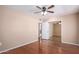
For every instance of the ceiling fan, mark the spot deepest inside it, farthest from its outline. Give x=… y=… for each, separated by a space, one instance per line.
x=44 y=10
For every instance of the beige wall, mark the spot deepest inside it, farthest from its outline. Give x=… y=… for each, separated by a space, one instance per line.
x=69 y=28
x=1 y=9
x=78 y=27
x=56 y=29
x=17 y=28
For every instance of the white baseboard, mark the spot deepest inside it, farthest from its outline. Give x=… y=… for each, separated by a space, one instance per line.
x=17 y=46
x=71 y=43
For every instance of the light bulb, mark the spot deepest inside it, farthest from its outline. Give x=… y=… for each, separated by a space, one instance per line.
x=59 y=23
x=44 y=13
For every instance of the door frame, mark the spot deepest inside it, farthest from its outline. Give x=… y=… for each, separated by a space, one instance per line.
x=61 y=27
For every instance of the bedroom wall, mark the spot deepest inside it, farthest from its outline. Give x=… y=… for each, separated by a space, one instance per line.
x=78 y=27
x=1 y=9
x=69 y=28
x=17 y=28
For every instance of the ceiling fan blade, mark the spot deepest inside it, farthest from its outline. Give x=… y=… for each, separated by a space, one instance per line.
x=38 y=7
x=50 y=11
x=51 y=6
x=37 y=12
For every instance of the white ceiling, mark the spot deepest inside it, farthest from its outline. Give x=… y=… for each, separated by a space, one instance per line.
x=58 y=9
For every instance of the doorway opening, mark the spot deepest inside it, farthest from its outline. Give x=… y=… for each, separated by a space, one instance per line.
x=55 y=31
x=50 y=31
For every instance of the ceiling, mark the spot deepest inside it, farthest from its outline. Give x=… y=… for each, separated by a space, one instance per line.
x=59 y=10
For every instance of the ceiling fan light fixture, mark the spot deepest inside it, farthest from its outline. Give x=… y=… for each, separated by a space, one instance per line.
x=59 y=23
x=44 y=13
x=44 y=10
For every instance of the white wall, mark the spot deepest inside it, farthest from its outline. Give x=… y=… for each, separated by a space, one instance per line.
x=45 y=30
x=17 y=28
x=50 y=30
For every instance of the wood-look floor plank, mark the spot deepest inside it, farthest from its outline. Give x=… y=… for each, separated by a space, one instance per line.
x=46 y=47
